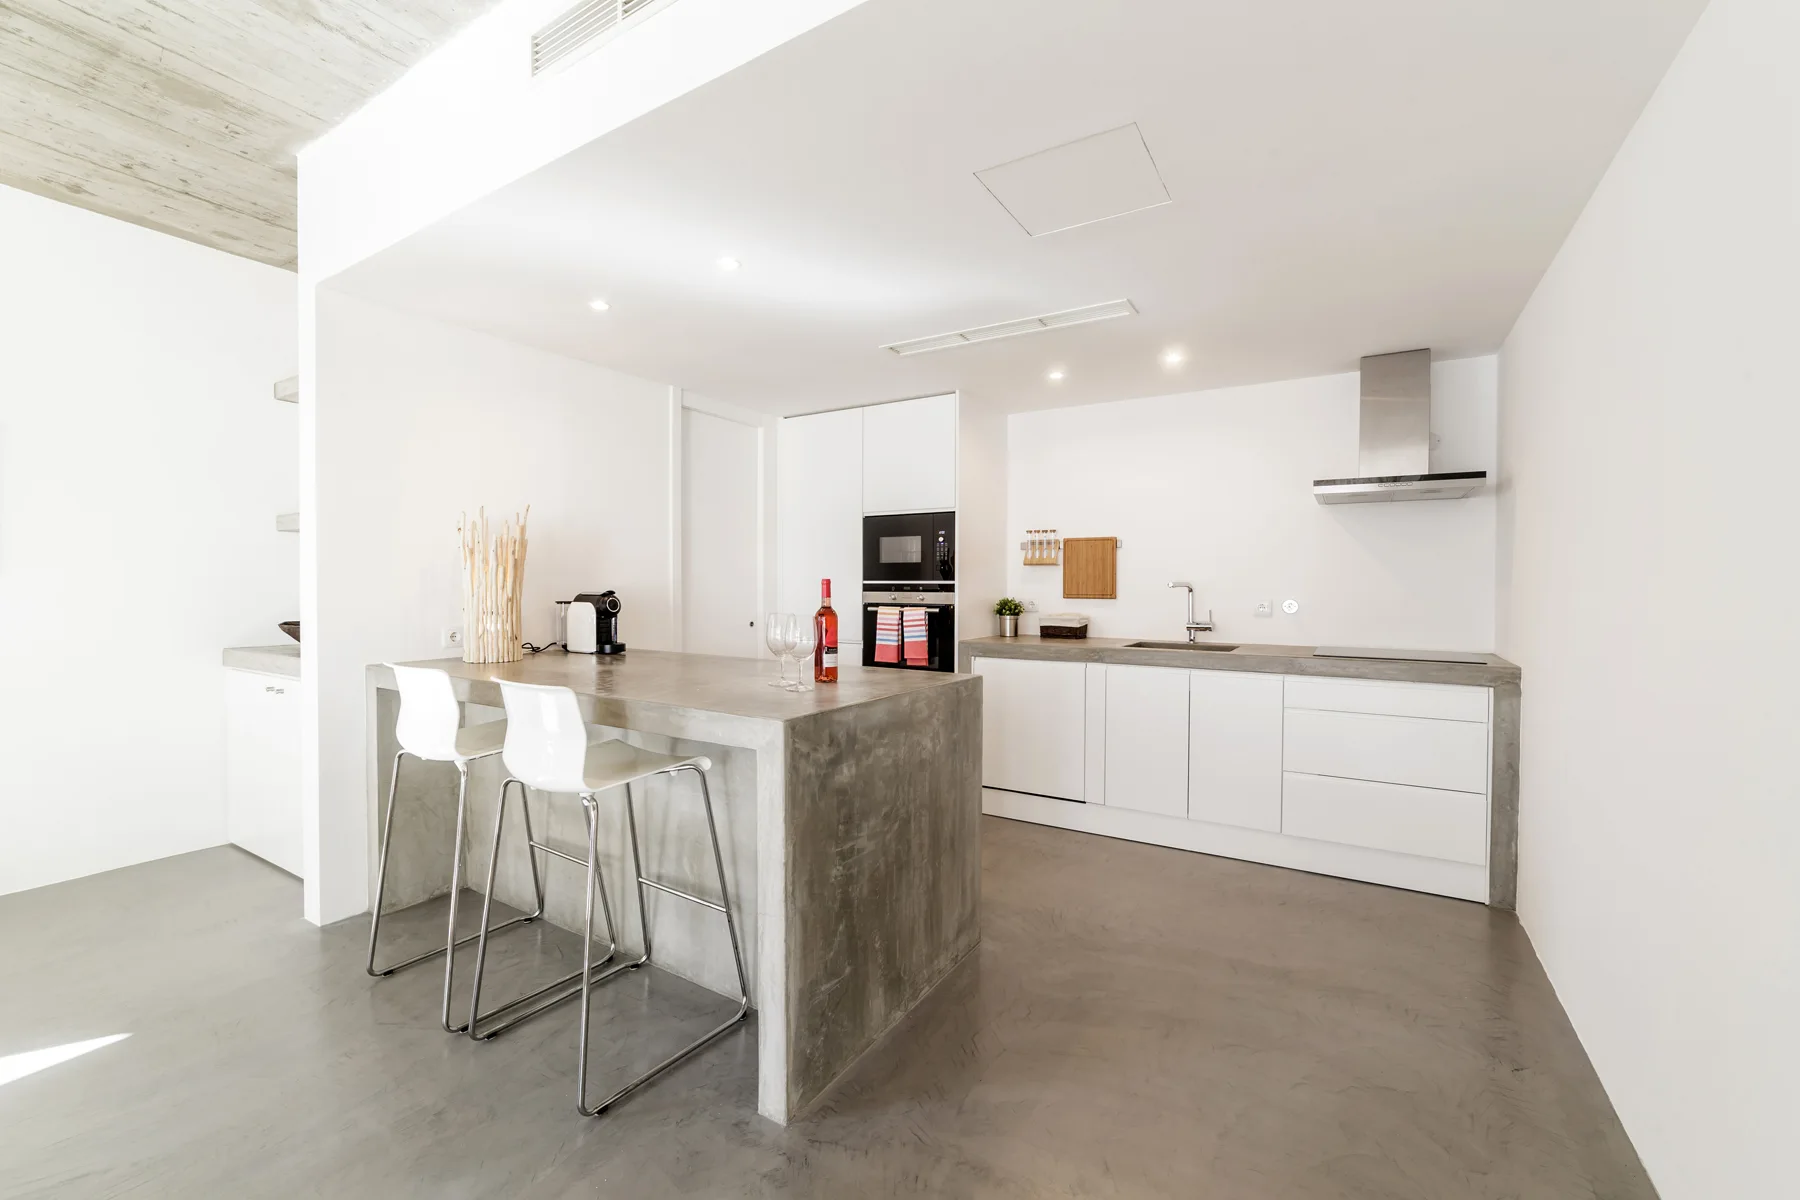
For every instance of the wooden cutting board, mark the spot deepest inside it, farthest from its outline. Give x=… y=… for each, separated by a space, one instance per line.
x=1091 y=568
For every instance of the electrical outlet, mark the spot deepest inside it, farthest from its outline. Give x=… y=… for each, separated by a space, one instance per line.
x=1290 y=607
x=1265 y=608
x=452 y=639
x=1031 y=606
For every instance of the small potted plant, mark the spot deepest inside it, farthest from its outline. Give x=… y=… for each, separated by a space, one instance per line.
x=1008 y=610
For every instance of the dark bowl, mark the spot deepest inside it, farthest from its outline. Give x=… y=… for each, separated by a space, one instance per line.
x=292 y=629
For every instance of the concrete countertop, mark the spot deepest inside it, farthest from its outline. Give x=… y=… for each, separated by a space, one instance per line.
x=266 y=660
x=1282 y=660
x=662 y=691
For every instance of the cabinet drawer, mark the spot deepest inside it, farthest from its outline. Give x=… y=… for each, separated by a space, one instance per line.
x=1385 y=816
x=1410 y=750
x=1446 y=702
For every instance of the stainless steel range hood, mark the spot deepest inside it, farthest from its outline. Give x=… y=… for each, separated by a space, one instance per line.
x=1395 y=439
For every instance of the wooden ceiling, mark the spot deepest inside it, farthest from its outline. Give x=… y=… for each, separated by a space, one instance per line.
x=184 y=115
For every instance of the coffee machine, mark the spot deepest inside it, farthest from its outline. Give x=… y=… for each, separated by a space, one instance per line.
x=593 y=624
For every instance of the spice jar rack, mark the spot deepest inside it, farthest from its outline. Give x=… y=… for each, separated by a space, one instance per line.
x=1042 y=548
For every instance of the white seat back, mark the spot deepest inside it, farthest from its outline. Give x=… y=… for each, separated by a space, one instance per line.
x=546 y=739
x=429 y=716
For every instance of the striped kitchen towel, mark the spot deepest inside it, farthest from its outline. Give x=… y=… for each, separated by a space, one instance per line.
x=887 y=635
x=917 y=644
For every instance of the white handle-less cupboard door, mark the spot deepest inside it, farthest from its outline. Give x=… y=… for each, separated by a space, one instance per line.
x=262 y=766
x=1234 y=749
x=1033 y=718
x=819 y=473
x=909 y=456
x=1147 y=739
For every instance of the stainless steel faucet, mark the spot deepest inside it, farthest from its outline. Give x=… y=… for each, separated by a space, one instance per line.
x=1194 y=626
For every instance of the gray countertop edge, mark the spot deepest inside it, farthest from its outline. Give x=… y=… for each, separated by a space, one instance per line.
x=265 y=660
x=728 y=724
x=1280 y=660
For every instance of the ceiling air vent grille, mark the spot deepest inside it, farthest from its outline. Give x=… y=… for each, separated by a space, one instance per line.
x=581 y=28
x=1006 y=329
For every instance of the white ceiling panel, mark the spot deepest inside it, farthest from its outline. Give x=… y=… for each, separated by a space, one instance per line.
x=1094 y=178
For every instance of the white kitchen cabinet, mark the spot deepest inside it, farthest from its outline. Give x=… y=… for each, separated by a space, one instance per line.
x=1383 y=816
x=1415 y=751
x=909 y=456
x=1234 y=748
x=1033 y=718
x=819 y=499
x=1380 y=697
x=1147 y=738
x=262 y=766
x=1374 y=780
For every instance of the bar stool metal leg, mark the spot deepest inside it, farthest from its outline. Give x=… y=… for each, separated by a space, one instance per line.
x=387 y=838
x=737 y=954
x=559 y=990
x=458 y=853
x=637 y=872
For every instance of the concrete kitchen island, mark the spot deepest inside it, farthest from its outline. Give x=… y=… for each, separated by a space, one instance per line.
x=849 y=816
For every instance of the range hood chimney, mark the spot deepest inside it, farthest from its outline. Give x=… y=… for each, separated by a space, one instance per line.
x=1394 y=439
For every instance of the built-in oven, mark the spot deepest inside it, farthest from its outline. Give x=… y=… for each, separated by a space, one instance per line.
x=936 y=600
x=909 y=548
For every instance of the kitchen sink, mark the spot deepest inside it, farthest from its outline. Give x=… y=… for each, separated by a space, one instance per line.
x=1220 y=646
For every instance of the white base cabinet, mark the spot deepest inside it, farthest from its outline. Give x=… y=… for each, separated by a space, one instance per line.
x=1374 y=780
x=262 y=766
x=1033 y=721
x=1383 y=816
x=1234 y=749
x=1146 y=739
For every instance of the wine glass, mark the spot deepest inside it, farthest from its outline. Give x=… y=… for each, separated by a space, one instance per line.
x=805 y=638
x=775 y=634
x=790 y=637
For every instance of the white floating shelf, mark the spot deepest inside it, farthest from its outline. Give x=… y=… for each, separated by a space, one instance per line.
x=288 y=390
x=287 y=522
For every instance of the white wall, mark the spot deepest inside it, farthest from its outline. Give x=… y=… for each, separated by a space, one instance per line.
x=142 y=462
x=471 y=118
x=415 y=423
x=1215 y=488
x=981 y=556
x=1650 y=418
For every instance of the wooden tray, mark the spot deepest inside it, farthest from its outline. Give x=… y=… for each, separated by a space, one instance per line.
x=1091 y=568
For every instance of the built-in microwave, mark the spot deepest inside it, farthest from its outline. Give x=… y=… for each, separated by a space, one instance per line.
x=909 y=548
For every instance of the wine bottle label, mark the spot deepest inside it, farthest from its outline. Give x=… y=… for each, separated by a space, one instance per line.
x=830 y=656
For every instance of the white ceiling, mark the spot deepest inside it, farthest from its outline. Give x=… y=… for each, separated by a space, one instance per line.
x=1346 y=179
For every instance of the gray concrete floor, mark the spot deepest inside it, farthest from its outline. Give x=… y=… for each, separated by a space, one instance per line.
x=1137 y=1022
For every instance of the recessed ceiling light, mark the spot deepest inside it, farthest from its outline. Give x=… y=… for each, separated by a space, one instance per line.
x=598 y=305
x=1173 y=357
x=1055 y=375
x=729 y=264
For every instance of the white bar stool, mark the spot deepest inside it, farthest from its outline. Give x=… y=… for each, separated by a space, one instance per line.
x=430 y=728
x=549 y=747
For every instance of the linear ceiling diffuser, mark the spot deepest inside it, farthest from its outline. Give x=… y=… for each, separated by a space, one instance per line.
x=1005 y=329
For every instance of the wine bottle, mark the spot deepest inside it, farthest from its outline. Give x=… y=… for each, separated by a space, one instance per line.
x=825 y=652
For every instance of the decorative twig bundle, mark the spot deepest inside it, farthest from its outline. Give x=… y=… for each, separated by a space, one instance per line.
x=493 y=589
